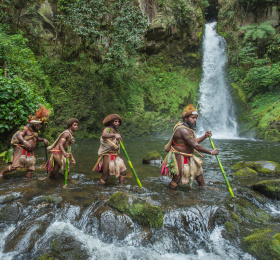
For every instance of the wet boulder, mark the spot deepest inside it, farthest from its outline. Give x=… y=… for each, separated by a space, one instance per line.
x=138 y=209
x=251 y=214
x=263 y=244
x=113 y=224
x=52 y=199
x=270 y=188
x=10 y=214
x=24 y=237
x=249 y=168
x=65 y=247
x=153 y=158
x=9 y=198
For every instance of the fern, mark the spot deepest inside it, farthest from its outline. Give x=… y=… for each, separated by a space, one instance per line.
x=257 y=32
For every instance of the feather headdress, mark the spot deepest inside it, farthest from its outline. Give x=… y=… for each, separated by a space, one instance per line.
x=189 y=110
x=41 y=116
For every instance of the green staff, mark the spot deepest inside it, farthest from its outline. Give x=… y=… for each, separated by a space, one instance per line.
x=222 y=169
x=66 y=168
x=130 y=164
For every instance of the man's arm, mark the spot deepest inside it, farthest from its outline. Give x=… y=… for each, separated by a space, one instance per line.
x=61 y=143
x=39 y=139
x=190 y=141
x=202 y=138
x=108 y=133
x=20 y=137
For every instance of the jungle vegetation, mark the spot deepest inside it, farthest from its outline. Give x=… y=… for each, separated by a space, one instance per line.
x=140 y=59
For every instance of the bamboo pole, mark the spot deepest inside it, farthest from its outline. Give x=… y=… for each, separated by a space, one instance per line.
x=66 y=168
x=131 y=166
x=222 y=169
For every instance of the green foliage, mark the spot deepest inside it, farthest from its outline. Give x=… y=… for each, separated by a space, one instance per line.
x=21 y=60
x=180 y=13
x=262 y=79
x=22 y=82
x=108 y=30
x=8 y=155
x=273 y=50
x=257 y=32
x=17 y=101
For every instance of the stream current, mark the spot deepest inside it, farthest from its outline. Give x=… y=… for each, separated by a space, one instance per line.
x=38 y=217
x=80 y=220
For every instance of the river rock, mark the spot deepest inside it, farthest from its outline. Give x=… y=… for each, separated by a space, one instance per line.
x=270 y=188
x=267 y=168
x=53 y=199
x=10 y=214
x=65 y=247
x=251 y=214
x=153 y=158
x=138 y=209
x=263 y=244
x=9 y=198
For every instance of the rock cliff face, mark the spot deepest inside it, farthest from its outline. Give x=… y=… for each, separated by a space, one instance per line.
x=175 y=31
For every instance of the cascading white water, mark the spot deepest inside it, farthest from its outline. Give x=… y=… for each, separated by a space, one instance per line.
x=215 y=104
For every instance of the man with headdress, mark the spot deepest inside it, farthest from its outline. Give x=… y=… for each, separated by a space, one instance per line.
x=109 y=162
x=58 y=149
x=180 y=163
x=25 y=141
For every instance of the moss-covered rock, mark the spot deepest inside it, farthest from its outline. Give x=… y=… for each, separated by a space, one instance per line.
x=270 y=188
x=263 y=244
x=245 y=172
x=152 y=156
x=259 y=167
x=53 y=199
x=251 y=214
x=65 y=247
x=139 y=210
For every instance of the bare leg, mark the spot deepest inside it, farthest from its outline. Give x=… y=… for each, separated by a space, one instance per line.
x=105 y=169
x=57 y=165
x=176 y=178
x=200 y=180
x=8 y=169
x=122 y=177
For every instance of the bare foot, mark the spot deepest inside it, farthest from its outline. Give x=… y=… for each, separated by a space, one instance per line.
x=101 y=182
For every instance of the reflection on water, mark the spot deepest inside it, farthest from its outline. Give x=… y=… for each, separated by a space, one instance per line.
x=81 y=217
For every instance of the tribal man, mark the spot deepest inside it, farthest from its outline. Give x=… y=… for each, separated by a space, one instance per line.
x=25 y=141
x=180 y=163
x=58 y=149
x=109 y=161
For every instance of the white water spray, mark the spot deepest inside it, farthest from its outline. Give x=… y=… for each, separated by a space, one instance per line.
x=215 y=103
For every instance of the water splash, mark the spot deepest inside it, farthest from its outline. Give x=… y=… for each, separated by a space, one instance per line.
x=215 y=103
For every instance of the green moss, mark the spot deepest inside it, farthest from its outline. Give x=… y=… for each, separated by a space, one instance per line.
x=263 y=245
x=46 y=257
x=245 y=172
x=153 y=155
x=277 y=237
x=270 y=188
x=240 y=92
x=139 y=211
x=236 y=218
x=232 y=228
x=251 y=214
x=258 y=167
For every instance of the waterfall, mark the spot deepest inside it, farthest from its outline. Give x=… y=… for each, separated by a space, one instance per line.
x=215 y=104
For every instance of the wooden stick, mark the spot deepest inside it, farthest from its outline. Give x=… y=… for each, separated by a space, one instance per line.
x=198 y=153
x=99 y=159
